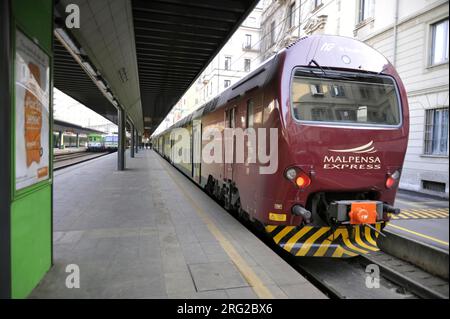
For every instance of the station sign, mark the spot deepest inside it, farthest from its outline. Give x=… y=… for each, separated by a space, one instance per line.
x=32 y=108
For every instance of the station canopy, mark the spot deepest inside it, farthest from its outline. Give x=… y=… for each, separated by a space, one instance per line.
x=140 y=55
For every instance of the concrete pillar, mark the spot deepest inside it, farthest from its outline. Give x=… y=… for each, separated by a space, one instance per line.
x=137 y=141
x=122 y=140
x=78 y=140
x=132 y=141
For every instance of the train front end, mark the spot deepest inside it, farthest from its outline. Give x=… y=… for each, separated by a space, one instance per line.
x=346 y=123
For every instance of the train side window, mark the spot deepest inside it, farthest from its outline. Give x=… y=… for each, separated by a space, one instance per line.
x=250 y=114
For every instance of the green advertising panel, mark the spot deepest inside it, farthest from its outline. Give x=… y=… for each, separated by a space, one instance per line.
x=31 y=118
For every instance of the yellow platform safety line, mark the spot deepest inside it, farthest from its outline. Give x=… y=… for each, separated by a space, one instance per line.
x=247 y=272
x=419 y=214
x=306 y=246
x=412 y=213
x=438 y=212
x=293 y=240
x=408 y=214
x=419 y=234
x=282 y=233
x=360 y=242
x=431 y=213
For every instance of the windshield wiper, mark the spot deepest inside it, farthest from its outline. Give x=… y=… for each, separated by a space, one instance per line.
x=317 y=64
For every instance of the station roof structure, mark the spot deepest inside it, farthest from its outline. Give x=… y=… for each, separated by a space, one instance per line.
x=140 y=55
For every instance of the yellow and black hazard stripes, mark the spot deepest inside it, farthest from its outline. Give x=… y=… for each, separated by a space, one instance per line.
x=325 y=241
x=426 y=213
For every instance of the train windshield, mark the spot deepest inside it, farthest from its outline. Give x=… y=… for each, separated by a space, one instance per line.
x=345 y=98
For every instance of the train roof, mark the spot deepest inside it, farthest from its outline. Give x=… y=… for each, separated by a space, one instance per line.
x=326 y=50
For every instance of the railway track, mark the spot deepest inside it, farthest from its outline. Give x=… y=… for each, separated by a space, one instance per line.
x=64 y=160
x=412 y=278
x=350 y=278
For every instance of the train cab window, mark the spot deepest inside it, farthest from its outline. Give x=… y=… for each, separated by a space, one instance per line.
x=345 y=98
x=250 y=114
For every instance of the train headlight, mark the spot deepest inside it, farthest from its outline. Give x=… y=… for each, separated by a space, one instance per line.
x=291 y=174
x=303 y=180
x=392 y=179
x=298 y=177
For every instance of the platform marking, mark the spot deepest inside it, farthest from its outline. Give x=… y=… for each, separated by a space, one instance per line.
x=419 y=234
x=247 y=272
x=429 y=213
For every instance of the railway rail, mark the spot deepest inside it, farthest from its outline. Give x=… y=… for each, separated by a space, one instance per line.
x=68 y=159
x=351 y=278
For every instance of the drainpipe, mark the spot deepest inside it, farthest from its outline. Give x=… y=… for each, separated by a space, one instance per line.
x=394 y=59
x=299 y=17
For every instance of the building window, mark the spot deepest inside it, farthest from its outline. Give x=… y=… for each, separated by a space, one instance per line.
x=365 y=10
x=248 y=41
x=227 y=63
x=317 y=3
x=439 y=42
x=292 y=15
x=316 y=90
x=272 y=33
x=247 y=65
x=337 y=91
x=436 y=132
x=249 y=119
x=226 y=83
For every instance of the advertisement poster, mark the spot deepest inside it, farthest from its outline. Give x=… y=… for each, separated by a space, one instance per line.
x=32 y=81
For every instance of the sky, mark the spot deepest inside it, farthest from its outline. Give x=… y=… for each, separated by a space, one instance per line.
x=70 y=110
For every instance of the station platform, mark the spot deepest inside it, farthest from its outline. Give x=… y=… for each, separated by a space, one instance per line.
x=148 y=232
x=423 y=218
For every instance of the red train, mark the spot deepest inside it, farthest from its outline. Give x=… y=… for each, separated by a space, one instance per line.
x=341 y=116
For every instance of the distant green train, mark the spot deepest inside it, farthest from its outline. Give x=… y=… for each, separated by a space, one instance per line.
x=99 y=142
x=95 y=142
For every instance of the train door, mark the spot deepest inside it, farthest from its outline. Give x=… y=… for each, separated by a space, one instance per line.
x=196 y=150
x=230 y=116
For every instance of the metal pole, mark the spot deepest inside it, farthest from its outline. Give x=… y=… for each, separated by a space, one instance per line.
x=132 y=141
x=122 y=137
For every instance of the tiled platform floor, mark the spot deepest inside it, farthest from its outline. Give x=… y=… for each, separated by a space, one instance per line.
x=148 y=232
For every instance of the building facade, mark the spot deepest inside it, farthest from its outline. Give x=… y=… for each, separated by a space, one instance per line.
x=240 y=55
x=413 y=35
